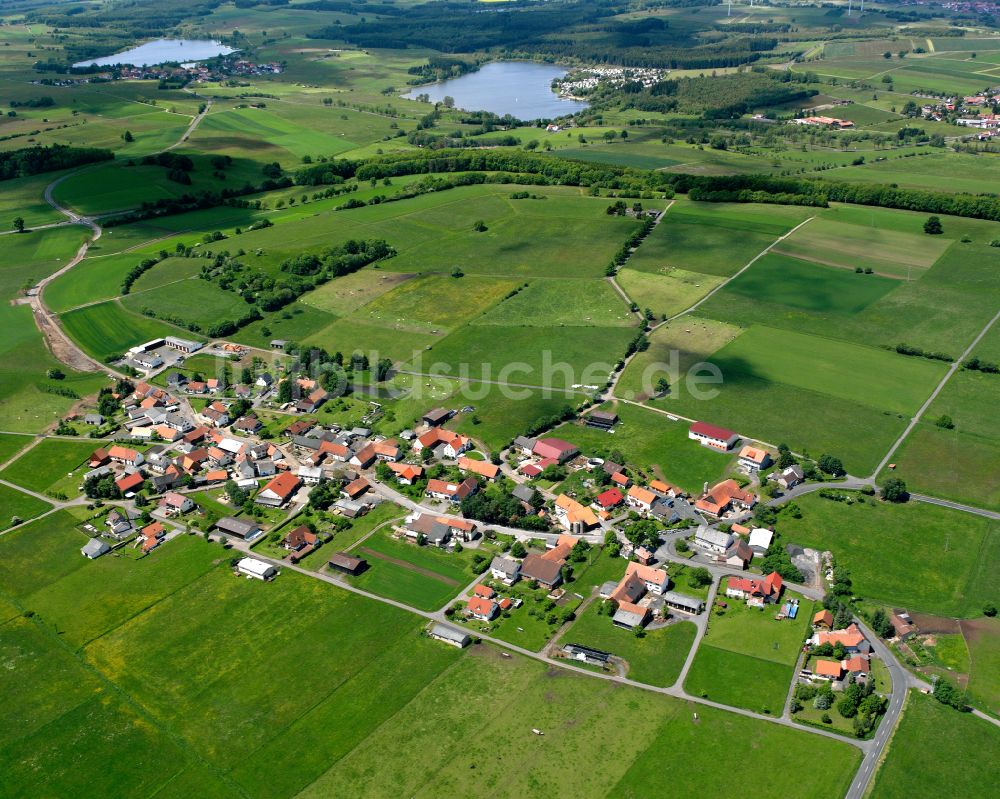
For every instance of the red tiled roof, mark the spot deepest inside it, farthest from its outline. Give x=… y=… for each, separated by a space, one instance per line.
x=129 y=481
x=712 y=431
x=610 y=498
x=283 y=485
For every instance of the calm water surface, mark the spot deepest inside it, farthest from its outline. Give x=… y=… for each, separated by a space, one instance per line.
x=163 y=50
x=521 y=89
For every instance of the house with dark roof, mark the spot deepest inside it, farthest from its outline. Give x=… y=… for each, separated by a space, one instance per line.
x=347 y=564
x=603 y=420
x=240 y=528
x=436 y=417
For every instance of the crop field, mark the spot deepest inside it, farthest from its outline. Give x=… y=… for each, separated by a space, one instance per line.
x=562 y=302
x=107 y=328
x=666 y=292
x=46 y=466
x=942 y=311
x=780 y=279
x=432 y=304
x=889 y=252
x=944 y=561
x=747 y=657
x=651 y=442
x=932 y=750
x=657 y=658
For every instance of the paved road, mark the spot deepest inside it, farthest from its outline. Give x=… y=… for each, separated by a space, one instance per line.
x=946 y=503
x=439 y=616
x=937 y=390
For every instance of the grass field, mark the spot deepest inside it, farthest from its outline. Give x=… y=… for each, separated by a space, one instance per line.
x=713 y=238
x=739 y=680
x=10 y=445
x=746 y=658
x=424 y=577
x=889 y=252
x=47 y=466
x=667 y=292
x=982 y=640
x=192 y=300
x=796 y=283
x=943 y=561
x=651 y=442
x=108 y=329
x=656 y=659
x=563 y=302
x=932 y=749
x=350 y=292
x=16 y=504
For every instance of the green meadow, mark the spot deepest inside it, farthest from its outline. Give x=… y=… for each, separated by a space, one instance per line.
x=47 y=466
x=108 y=329
x=943 y=561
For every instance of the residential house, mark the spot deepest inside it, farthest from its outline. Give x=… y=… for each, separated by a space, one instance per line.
x=247 y=424
x=174 y=504
x=388 y=450
x=439 y=530
x=480 y=608
x=756 y=592
x=709 y=435
x=823 y=620
x=451 y=444
x=738 y=555
x=791 y=477
x=196 y=387
x=640 y=498
x=902 y=624
x=621 y=480
x=724 y=497
x=216 y=414
x=525 y=444
x=452 y=492
x=125 y=456
x=264 y=380
x=484 y=469
x=119 y=523
x=683 y=603
x=830 y=670
x=299 y=428
x=94 y=419
x=609 y=499
x=310 y=475
x=555 y=449
x=851 y=638
x=311 y=402
x=279 y=490
x=507 y=570
x=364 y=457
x=407 y=473
x=151 y=536
x=544 y=572
x=713 y=540
x=753 y=459
x=299 y=539
x=98 y=457
x=265 y=467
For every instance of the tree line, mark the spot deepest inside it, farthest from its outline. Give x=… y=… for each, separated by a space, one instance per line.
x=48 y=158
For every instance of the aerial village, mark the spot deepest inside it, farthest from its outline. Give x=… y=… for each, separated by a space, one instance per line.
x=510 y=535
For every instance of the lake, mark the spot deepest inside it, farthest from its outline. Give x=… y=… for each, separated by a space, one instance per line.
x=161 y=51
x=520 y=88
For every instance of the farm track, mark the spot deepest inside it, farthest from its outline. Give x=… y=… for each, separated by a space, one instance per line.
x=59 y=343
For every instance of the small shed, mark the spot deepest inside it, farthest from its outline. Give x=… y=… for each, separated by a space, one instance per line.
x=347 y=564
x=442 y=632
x=256 y=569
x=94 y=548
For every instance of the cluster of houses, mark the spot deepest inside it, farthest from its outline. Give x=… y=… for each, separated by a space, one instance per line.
x=218 y=71
x=583 y=81
x=642 y=594
x=850 y=643
x=824 y=122
x=736 y=548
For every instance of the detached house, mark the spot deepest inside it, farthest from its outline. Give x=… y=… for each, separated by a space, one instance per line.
x=641 y=499
x=453 y=492
x=573 y=516
x=174 y=504
x=753 y=459
x=724 y=497
x=279 y=490
x=484 y=469
x=406 y=473
x=756 y=592
x=216 y=414
x=125 y=456
x=452 y=444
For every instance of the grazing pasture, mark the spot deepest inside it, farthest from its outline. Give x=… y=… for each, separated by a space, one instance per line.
x=191 y=301
x=668 y=291
x=345 y=294
x=502 y=414
x=16 y=504
x=739 y=680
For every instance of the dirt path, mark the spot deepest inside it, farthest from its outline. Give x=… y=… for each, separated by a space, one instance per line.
x=410 y=567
